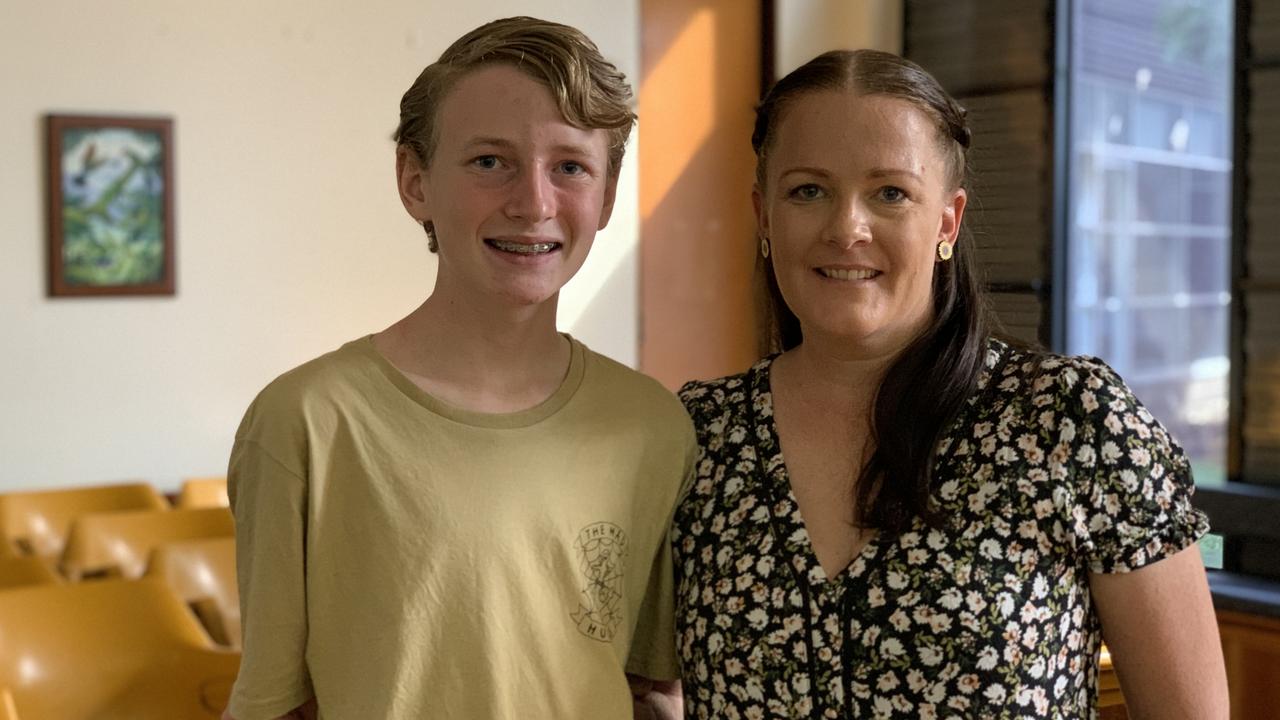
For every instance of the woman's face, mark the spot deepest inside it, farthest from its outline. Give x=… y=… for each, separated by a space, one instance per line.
x=856 y=198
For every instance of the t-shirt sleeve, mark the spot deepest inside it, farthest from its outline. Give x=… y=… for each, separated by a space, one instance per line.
x=653 y=652
x=653 y=647
x=1133 y=497
x=268 y=499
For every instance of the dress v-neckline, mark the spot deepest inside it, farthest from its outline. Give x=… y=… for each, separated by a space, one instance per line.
x=785 y=508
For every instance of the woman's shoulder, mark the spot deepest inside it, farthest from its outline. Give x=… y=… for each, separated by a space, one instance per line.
x=1080 y=391
x=1041 y=375
x=701 y=397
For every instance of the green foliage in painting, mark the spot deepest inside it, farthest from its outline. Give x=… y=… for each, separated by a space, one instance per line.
x=112 y=207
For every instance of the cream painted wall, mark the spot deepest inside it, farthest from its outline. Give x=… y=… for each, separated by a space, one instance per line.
x=290 y=235
x=805 y=28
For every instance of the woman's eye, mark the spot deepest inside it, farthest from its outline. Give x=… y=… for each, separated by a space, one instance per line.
x=486 y=162
x=806 y=192
x=892 y=194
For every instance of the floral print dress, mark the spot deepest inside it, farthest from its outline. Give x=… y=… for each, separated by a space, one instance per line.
x=1052 y=471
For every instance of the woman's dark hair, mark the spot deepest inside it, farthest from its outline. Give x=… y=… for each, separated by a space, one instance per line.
x=925 y=388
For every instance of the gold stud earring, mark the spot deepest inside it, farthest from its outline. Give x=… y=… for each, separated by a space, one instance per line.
x=764 y=246
x=945 y=251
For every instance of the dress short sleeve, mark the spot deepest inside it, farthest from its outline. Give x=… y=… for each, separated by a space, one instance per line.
x=1134 y=483
x=693 y=394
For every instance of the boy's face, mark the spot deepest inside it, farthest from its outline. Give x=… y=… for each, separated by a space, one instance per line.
x=515 y=193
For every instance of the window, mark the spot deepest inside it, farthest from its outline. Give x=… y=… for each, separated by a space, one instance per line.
x=1149 y=215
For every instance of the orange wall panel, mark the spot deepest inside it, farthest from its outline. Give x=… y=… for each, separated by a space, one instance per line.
x=700 y=70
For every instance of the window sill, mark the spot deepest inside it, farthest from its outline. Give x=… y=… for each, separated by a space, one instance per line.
x=1244 y=594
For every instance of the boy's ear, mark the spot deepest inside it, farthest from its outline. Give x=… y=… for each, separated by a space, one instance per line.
x=610 y=195
x=411 y=180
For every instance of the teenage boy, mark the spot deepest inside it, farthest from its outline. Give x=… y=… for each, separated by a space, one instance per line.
x=465 y=515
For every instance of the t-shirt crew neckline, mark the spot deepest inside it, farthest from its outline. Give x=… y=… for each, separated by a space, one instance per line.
x=522 y=418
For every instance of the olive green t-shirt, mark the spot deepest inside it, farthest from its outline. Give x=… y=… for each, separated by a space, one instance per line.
x=402 y=558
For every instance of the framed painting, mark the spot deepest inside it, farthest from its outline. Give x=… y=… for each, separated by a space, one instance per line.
x=110 y=205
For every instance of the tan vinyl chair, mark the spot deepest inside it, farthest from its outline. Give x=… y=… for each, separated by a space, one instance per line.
x=23 y=571
x=109 y=544
x=110 y=650
x=203 y=492
x=203 y=573
x=1110 y=700
x=7 y=710
x=37 y=522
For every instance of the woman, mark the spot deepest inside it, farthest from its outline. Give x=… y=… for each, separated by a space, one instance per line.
x=901 y=515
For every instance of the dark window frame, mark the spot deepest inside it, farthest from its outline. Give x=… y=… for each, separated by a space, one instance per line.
x=1242 y=511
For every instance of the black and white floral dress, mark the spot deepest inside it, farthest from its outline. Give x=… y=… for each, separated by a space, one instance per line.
x=1053 y=471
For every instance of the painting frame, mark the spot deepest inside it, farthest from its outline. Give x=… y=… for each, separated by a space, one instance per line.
x=120 y=241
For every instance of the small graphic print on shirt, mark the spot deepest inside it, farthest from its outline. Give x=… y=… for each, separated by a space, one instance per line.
x=602 y=554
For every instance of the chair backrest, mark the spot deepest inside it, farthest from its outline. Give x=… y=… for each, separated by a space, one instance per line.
x=110 y=649
x=1109 y=694
x=203 y=573
x=22 y=571
x=36 y=522
x=121 y=542
x=7 y=709
x=203 y=492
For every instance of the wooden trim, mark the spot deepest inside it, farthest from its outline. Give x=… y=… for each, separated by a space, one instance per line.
x=768 y=44
x=1242 y=622
x=1251 y=649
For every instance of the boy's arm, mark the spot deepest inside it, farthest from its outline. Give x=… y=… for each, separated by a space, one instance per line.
x=306 y=711
x=269 y=500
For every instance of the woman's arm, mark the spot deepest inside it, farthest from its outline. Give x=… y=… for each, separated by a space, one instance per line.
x=1159 y=624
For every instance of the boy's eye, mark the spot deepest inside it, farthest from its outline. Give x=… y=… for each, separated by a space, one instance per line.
x=806 y=192
x=486 y=162
x=572 y=168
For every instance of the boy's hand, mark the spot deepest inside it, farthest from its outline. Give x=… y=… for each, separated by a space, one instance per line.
x=656 y=699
